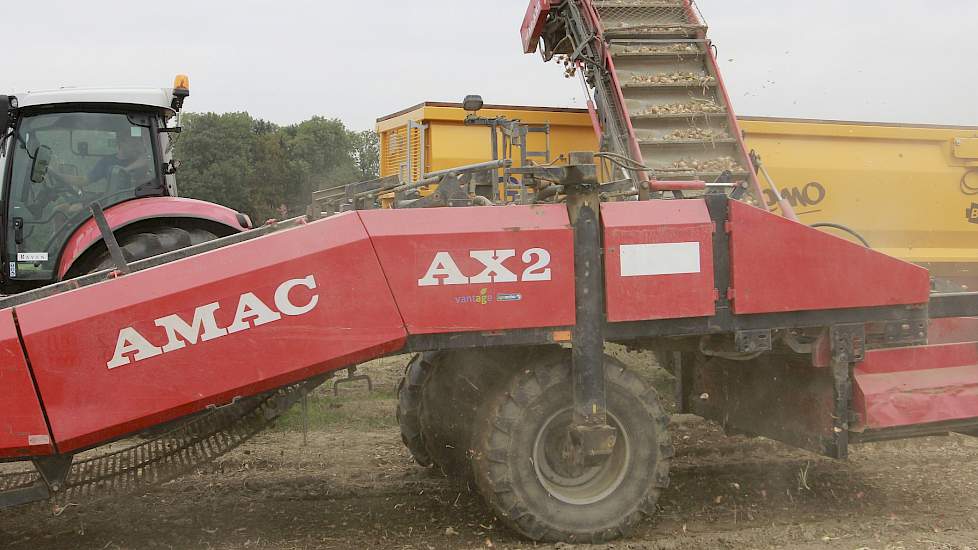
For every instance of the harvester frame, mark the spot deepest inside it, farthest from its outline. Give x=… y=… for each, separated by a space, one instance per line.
x=770 y=327
x=833 y=340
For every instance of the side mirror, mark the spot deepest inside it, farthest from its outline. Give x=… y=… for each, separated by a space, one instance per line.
x=42 y=161
x=4 y=113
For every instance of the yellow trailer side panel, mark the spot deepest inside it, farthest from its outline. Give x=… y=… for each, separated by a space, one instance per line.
x=905 y=188
x=899 y=186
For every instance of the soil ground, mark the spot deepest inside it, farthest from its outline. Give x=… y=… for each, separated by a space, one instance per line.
x=352 y=484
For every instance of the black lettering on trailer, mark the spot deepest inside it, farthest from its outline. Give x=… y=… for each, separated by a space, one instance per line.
x=811 y=194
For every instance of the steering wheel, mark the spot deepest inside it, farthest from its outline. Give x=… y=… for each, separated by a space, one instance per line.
x=55 y=182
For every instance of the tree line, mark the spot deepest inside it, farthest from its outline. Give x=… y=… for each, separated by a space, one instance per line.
x=261 y=168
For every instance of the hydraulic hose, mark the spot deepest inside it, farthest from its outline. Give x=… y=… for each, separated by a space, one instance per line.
x=841 y=227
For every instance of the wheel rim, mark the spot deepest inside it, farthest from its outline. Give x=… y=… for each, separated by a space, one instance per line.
x=571 y=483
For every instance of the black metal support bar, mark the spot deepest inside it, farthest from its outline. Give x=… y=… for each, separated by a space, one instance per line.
x=467 y=340
x=848 y=348
x=592 y=435
x=109 y=237
x=968 y=426
x=957 y=304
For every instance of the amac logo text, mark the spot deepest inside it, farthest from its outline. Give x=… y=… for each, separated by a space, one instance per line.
x=132 y=346
x=497 y=267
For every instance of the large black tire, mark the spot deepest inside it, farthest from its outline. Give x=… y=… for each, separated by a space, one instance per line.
x=459 y=383
x=408 y=410
x=440 y=395
x=526 y=479
x=152 y=241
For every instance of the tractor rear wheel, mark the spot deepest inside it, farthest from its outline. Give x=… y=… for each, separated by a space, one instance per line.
x=522 y=465
x=152 y=241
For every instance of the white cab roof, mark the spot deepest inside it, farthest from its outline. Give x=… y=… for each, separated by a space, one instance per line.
x=155 y=97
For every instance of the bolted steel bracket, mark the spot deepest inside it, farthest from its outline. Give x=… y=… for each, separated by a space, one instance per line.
x=592 y=444
x=54 y=470
x=848 y=347
x=751 y=341
x=848 y=343
x=351 y=377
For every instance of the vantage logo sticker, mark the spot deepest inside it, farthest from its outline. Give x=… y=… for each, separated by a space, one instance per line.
x=482 y=298
x=485 y=298
x=973 y=213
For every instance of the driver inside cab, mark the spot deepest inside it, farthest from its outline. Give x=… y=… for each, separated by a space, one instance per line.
x=129 y=166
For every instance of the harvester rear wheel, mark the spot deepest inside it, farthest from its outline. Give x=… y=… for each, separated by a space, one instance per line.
x=522 y=467
x=440 y=395
x=408 y=410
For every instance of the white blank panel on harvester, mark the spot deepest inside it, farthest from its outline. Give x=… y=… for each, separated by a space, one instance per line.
x=639 y=260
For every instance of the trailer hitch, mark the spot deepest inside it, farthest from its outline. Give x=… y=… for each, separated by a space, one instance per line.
x=591 y=436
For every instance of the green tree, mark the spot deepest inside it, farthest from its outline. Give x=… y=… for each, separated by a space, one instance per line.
x=256 y=166
x=366 y=154
x=216 y=158
x=276 y=179
x=321 y=148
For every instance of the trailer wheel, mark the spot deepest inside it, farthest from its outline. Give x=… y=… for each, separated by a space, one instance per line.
x=408 y=411
x=522 y=469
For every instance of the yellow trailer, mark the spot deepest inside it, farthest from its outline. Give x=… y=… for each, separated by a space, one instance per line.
x=909 y=190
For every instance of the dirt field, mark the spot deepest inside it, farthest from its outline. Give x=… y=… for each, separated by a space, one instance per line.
x=355 y=486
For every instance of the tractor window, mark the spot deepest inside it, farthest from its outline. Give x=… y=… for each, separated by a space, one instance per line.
x=62 y=162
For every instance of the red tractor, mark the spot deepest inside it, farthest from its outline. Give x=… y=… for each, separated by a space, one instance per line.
x=63 y=151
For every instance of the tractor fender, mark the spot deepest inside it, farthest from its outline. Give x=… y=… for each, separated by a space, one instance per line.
x=127 y=213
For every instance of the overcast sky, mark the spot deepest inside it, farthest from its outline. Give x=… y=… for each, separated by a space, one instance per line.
x=286 y=60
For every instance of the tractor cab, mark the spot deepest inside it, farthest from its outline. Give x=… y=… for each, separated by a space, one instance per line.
x=65 y=149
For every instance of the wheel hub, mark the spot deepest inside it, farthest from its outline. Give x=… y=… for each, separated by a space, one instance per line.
x=564 y=475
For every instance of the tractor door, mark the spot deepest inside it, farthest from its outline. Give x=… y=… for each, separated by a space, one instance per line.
x=63 y=162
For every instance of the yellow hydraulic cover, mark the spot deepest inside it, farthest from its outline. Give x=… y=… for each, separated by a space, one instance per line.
x=910 y=190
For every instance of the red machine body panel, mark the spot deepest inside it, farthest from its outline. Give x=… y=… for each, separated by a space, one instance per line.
x=658 y=260
x=136 y=210
x=441 y=266
x=780 y=265
x=23 y=431
x=127 y=354
x=917 y=385
x=953 y=330
x=536 y=16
